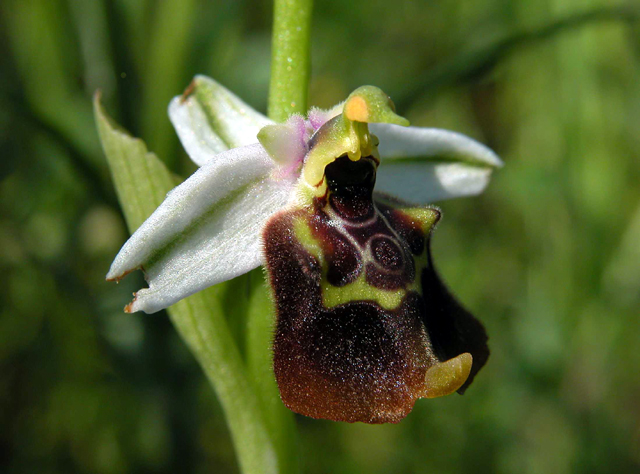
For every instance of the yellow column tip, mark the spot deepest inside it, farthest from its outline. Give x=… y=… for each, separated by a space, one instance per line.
x=357 y=110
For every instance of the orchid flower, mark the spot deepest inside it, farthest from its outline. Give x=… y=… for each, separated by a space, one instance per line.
x=364 y=324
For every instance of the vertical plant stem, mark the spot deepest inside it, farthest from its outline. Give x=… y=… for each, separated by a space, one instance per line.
x=290 y=58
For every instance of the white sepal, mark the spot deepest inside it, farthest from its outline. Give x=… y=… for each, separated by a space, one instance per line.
x=423 y=165
x=211 y=119
x=206 y=231
x=196 y=135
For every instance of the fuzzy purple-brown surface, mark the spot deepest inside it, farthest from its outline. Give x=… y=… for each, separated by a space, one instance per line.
x=358 y=361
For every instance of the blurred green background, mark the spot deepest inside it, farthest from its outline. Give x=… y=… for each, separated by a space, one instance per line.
x=548 y=258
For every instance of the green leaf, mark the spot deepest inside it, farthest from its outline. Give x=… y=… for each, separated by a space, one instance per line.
x=165 y=68
x=140 y=178
x=44 y=57
x=141 y=181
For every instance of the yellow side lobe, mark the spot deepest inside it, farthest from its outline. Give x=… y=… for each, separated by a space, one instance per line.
x=426 y=217
x=447 y=377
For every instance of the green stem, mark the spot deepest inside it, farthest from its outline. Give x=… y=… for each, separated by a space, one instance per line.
x=290 y=58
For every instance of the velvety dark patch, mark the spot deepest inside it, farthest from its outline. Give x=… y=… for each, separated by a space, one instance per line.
x=385 y=280
x=343 y=258
x=351 y=185
x=407 y=228
x=387 y=254
x=362 y=233
x=354 y=362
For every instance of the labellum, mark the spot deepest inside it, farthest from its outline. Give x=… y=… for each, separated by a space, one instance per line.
x=365 y=326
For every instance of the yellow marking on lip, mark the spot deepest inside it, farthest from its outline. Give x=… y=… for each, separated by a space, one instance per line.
x=307 y=240
x=360 y=290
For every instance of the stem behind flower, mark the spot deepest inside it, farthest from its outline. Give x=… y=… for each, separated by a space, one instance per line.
x=290 y=58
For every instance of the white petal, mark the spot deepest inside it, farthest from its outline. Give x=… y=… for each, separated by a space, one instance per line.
x=212 y=119
x=206 y=231
x=197 y=137
x=432 y=144
x=422 y=165
x=424 y=183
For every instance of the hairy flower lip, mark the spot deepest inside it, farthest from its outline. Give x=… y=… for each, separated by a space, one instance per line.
x=206 y=230
x=361 y=335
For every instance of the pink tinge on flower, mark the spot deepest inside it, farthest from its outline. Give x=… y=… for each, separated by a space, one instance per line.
x=318 y=117
x=287 y=144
